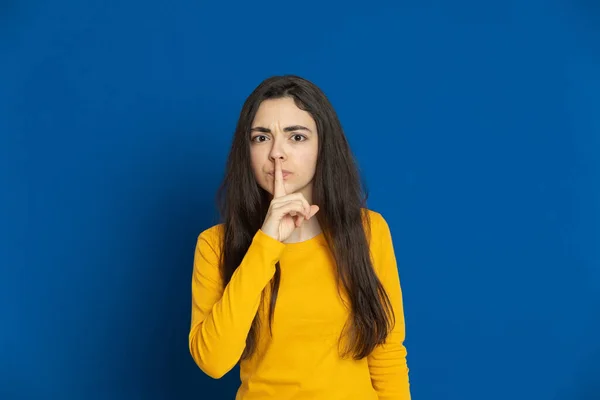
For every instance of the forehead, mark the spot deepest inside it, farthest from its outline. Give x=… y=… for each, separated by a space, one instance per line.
x=281 y=111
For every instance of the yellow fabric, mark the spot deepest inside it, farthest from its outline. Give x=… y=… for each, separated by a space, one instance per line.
x=301 y=360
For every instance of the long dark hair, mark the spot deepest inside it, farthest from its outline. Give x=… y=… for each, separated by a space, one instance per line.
x=339 y=192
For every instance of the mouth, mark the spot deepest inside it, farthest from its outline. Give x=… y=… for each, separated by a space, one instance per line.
x=284 y=173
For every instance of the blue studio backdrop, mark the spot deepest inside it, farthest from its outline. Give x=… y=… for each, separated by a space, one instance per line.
x=476 y=126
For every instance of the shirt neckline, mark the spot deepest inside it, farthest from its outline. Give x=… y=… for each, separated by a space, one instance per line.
x=306 y=244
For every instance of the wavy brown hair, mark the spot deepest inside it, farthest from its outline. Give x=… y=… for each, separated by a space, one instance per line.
x=339 y=192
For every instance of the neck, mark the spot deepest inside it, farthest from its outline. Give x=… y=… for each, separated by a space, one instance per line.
x=308 y=230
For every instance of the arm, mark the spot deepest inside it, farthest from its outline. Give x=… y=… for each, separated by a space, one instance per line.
x=387 y=362
x=221 y=318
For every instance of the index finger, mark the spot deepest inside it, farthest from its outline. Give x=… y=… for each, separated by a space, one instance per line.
x=278 y=188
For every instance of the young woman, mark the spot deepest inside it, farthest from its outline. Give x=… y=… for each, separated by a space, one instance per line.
x=299 y=283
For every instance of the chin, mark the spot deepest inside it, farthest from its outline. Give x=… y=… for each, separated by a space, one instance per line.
x=289 y=188
x=267 y=188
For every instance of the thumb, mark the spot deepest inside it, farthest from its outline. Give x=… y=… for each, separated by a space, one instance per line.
x=313 y=210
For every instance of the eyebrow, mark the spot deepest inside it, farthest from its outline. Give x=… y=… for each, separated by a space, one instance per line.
x=286 y=129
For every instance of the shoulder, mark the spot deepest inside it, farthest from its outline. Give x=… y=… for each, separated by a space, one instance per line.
x=215 y=231
x=208 y=253
x=378 y=234
x=381 y=246
x=211 y=237
x=376 y=222
x=373 y=214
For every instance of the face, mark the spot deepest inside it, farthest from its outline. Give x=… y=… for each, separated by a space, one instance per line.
x=281 y=130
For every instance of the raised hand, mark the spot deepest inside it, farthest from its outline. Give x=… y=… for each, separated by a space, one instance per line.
x=286 y=211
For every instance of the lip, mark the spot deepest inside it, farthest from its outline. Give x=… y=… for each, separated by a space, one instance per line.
x=284 y=173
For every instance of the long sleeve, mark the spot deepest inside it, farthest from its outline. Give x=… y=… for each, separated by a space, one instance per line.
x=387 y=363
x=221 y=318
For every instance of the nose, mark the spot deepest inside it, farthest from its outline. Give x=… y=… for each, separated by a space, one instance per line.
x=277 y=151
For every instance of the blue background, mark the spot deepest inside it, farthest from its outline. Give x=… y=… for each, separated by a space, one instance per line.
x=476 y=125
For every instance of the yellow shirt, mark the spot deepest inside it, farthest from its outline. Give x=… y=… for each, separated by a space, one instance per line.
x=301 y=360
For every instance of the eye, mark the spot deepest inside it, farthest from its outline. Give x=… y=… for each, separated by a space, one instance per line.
x=302 y=137
x=254 y=139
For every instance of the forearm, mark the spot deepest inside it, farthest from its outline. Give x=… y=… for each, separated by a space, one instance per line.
x=217 y=340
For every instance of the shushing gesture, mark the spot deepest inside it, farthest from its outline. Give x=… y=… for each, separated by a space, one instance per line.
x=286 y=211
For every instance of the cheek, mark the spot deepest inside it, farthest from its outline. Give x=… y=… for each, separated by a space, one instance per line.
x=257 y=164
x=254 y=161
x=254 y=166
x=310 y=164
